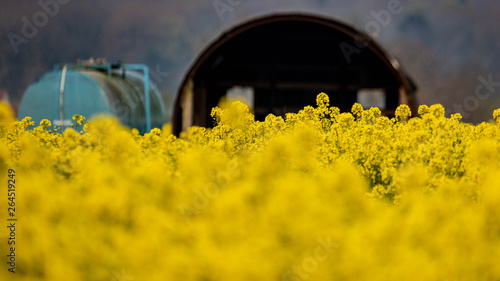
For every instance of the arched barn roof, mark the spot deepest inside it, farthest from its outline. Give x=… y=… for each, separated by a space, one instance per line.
x=282 y=62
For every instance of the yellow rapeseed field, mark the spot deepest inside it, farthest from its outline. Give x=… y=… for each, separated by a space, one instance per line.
x=319 y=195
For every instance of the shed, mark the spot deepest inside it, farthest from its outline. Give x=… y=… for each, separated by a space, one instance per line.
x=280 y=63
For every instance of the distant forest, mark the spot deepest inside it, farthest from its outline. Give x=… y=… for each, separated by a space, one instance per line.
x=447 y=46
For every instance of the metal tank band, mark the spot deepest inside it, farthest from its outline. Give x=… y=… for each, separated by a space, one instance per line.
x=93 y=88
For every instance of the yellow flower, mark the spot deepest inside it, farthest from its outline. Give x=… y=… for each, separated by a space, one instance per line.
x=423 y=109
x=403 y=112
x=45 y=123
x=322 y=100
x=496 y=115
x=314 y=195
x=357 y=109
x=79 y=119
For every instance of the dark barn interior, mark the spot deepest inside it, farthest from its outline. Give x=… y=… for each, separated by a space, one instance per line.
x=284 y=61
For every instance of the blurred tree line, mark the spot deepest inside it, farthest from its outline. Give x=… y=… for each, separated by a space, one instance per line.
x=445 y=45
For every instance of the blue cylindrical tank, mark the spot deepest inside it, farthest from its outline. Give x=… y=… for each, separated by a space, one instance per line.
x=92 y=90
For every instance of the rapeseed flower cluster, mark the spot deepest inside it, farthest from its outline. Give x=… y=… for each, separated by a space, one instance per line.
x=318 y=195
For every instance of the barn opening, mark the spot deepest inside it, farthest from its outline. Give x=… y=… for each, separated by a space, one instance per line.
x=280 y=63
